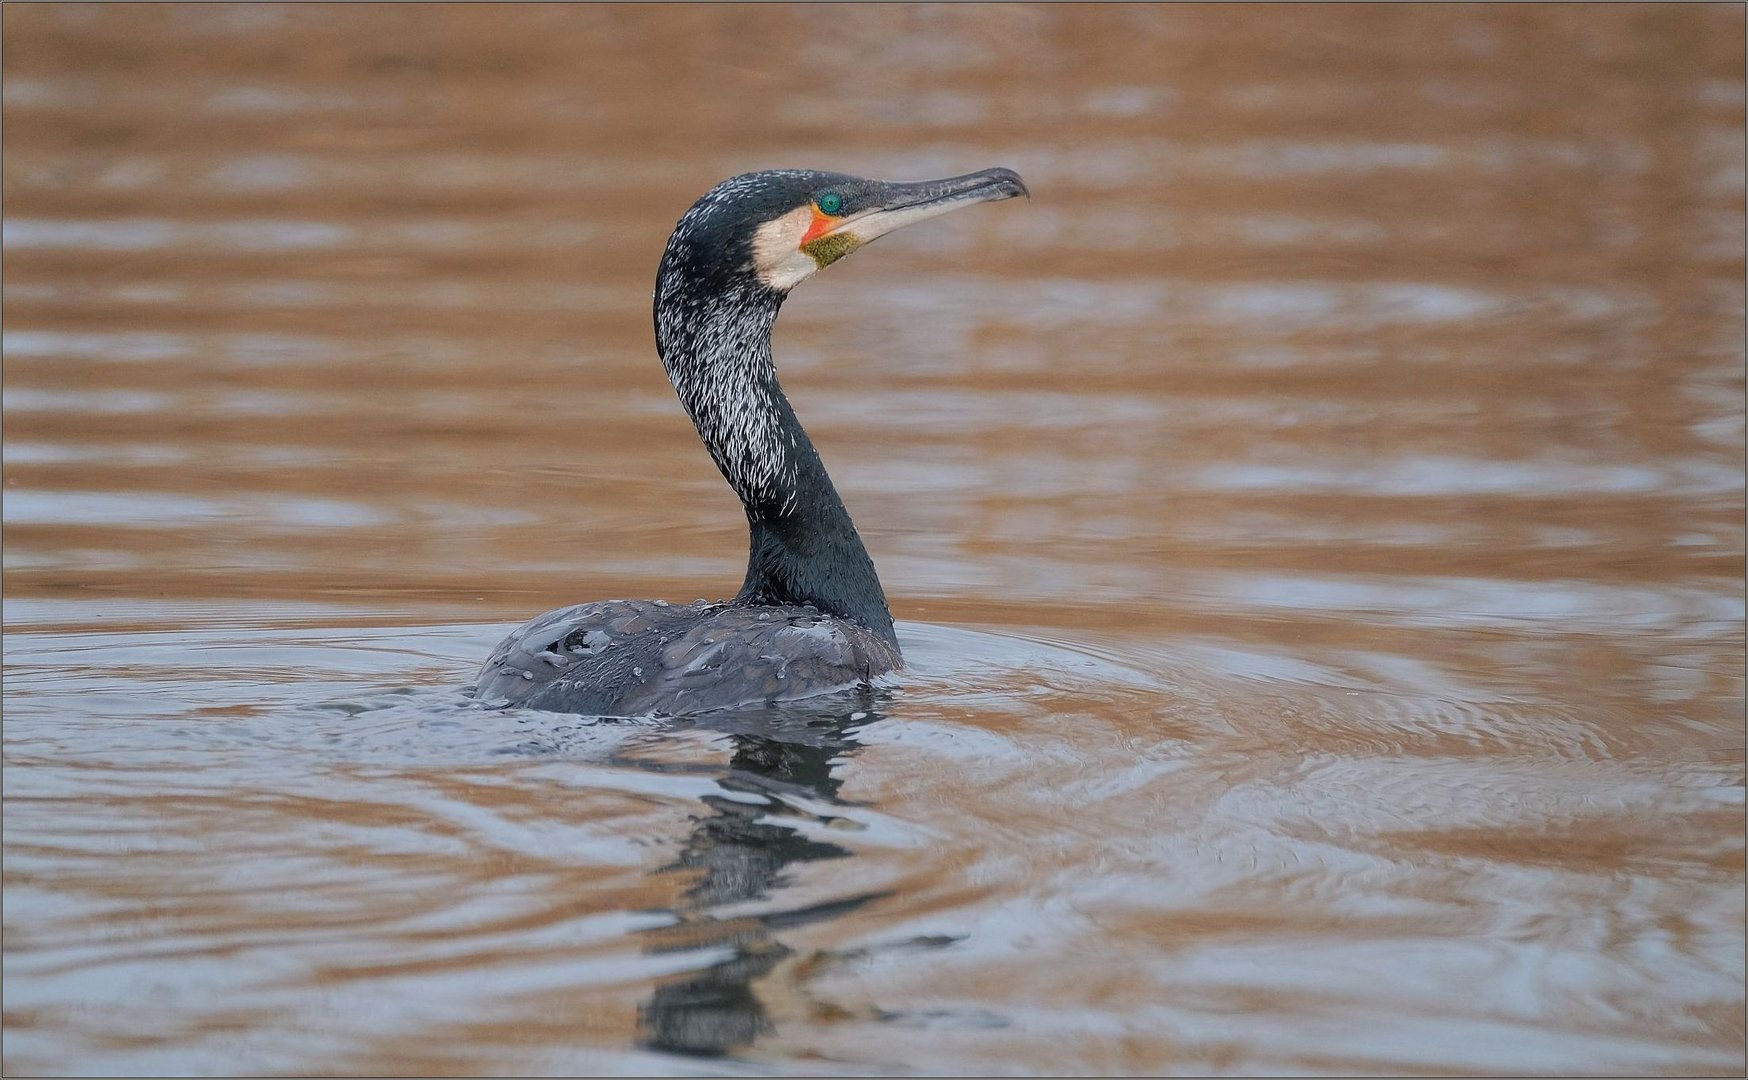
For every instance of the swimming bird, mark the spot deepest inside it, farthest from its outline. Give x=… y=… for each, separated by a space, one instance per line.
x=810 y=616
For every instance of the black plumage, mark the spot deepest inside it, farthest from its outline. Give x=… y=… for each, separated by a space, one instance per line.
x=811 y=616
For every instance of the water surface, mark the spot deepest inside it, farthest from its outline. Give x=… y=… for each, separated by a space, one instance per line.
x=1315 y=523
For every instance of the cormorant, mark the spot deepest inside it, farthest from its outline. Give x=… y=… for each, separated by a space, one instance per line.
x=811 y=616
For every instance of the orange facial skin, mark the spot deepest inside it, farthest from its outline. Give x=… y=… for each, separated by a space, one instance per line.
x=821 y=222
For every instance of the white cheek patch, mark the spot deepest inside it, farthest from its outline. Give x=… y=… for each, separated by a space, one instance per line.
x=777 y=255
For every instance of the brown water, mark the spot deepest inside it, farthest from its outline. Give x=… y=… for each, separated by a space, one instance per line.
x=1315 y=521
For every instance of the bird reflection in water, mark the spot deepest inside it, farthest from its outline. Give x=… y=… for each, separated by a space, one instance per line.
x=739 y=853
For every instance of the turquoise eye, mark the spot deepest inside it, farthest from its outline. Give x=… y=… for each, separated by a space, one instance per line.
x=831 y=202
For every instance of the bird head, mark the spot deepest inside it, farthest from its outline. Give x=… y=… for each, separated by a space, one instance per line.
x=782 y=226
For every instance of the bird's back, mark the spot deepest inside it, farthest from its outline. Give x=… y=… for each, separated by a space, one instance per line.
x=637 y=657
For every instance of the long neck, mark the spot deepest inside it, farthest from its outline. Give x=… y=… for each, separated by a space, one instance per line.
x=716 y=345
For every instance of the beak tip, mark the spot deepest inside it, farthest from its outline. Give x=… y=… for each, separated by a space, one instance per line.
x=1010 y=179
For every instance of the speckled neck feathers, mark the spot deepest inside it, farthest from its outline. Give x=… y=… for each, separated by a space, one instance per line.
x=713 y=322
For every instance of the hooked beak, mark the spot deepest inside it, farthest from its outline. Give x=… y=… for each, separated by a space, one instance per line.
x=899 y=204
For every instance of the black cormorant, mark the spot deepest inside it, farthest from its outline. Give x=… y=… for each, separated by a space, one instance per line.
x=811 y=616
